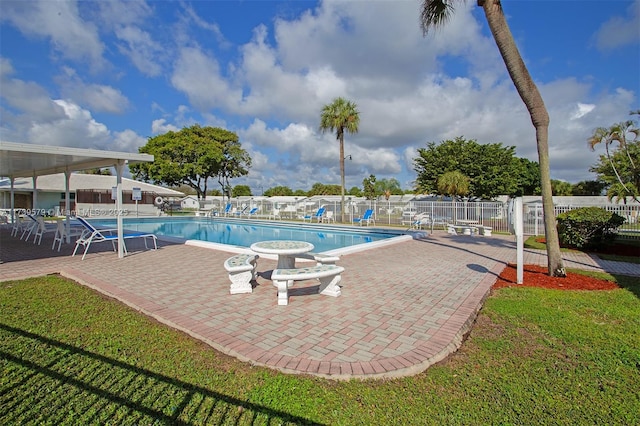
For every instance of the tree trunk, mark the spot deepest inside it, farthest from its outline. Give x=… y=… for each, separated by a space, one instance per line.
x=342 y=176
x=531 y=97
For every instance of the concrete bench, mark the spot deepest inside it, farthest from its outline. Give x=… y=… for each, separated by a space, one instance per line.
x=462 y=229
x=484 y=230
x=321 y=258
x=242 y=269
x=328 y=275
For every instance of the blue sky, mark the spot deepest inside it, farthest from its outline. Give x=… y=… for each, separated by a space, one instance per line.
x=110 y=74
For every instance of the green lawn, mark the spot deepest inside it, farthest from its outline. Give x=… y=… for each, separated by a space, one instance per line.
x=71 y=356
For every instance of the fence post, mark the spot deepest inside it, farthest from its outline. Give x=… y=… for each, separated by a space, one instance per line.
x=518 y=227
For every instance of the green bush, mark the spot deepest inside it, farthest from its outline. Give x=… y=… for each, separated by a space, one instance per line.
x=587 y=227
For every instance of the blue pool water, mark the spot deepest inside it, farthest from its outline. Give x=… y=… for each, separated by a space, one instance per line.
x=245 y=232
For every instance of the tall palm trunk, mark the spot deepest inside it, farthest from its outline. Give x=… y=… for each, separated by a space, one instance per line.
x=342 y=176
x=540 y=118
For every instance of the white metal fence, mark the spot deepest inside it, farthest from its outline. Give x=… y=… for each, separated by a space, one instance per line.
x=494 y=214
x=534 y=222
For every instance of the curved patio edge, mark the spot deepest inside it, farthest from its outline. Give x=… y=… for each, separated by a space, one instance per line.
x=446 y=341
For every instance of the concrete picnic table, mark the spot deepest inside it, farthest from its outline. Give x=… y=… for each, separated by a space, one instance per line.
x=285 y=249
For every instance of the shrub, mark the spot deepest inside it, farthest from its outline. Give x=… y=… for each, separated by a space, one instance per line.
x=587 y=227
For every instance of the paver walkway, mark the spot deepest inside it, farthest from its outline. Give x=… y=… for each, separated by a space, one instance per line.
x=403 y=306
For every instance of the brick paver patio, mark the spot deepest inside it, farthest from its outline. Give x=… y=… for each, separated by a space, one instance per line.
x=403 y=306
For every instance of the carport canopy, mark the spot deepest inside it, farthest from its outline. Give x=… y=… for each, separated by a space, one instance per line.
x=29 y=160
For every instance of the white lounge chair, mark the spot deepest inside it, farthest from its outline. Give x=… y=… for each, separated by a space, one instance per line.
x=94 y=235
x=420 y=220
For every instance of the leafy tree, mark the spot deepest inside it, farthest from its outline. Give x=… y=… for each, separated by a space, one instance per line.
x=235 y=162
x=340 y=116
x=280 y=191
x=435 y=13
x=322 y=189
x=528 y=178
x=588 y=187
x=241 y=191
x=561 y=187
x=623 y=166
x=454 y=184
x=214 y=192
x=191 y=157
x=300 y=193
x=355 y=192
x=369 y=185
x=492 y=169
x=387 y=187
x=185 y=189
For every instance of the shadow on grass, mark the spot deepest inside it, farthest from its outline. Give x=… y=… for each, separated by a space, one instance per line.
x=629 y=283
x=48 y=380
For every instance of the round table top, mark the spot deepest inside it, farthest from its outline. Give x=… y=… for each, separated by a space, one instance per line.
x=282 y=247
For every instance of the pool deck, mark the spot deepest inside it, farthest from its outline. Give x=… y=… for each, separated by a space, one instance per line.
x=403 y=306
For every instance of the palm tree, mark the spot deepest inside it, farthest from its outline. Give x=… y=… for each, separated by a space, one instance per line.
x=453 y=183
x=620 y=133
x=340 y=115
x=620 y=192
x=435 y=13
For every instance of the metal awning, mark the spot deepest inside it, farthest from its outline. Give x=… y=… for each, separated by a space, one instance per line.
x=28 y=160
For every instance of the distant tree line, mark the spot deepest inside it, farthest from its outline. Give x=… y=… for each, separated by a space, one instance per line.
x=189 y=159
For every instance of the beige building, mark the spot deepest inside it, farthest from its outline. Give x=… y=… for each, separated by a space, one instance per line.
x=90 y=195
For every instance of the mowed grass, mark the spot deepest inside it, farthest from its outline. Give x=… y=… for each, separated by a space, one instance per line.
x=70 y=356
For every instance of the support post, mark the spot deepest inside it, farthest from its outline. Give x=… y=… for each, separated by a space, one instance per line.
x=519 y=229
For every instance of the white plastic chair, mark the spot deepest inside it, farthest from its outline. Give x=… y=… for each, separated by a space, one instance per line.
x=18 y=226
x=41 y=228
x=61 y=234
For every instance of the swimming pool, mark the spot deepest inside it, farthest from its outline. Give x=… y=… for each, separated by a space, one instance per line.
x=244 y=232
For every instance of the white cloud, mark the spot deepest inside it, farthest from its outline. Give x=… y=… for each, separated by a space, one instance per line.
x=98 y=97
x=61 y=23
x=76 y=129
x=409 y=89
x=620 y=30
x=139 y=47
x=198 y=76
x=160 y=126
x=127 y=141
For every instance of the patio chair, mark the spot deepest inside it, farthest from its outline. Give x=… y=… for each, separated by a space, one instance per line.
x=61 y=233
x=41 y=229
x=328 y=218
x=94 y=235
x=420 y=220
x=367 y=218
x=252 y=212
x=275 y=214
x=227 y=209
x=29 y=228
x=317 y=216
x=241 y=212
x=18 y=227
